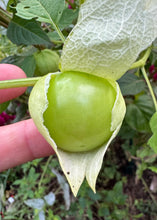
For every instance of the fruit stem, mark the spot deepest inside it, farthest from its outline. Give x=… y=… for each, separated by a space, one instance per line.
x=142 y=61
x=14 y=83
x=149 y=86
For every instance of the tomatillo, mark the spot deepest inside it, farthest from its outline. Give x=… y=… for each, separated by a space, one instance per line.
x=46 y=62
x=78 y=115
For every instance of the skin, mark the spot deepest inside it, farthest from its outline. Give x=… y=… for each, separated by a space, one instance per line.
x=20 y=142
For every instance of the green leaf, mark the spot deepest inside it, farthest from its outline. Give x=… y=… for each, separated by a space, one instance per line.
x=21 y=31
x=139 y=112
x=141 y=167
x=21 y=111
x=153 y=169
x=136 y=119
x=131 y=84
x=109 y=36
x=11 y=4
x=146 y=154
x=44 y=11
x=68 y=16
x=153 y=140
x=28 y=65
x=146 y=105
x=54 y=36
x=116 y=194
x=10 y=59
x=3 y=106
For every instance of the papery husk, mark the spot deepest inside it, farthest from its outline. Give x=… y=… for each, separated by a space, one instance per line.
x=76 y=166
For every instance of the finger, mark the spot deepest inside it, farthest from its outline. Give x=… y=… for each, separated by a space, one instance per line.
x=21 y=142
x=9 y=71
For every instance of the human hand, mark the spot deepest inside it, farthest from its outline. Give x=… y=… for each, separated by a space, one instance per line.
x=19 y=142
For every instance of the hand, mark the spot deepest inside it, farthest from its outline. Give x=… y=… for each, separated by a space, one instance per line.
x=19 y=142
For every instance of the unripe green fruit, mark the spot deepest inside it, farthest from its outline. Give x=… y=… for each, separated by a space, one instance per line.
x=78 y=116
x=46 y=62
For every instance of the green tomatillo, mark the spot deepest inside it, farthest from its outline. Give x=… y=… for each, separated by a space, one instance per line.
x=78 y=116
x=46 y=62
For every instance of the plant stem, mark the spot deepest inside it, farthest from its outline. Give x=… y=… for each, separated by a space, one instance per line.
x=58 y=31
x=5 y=13
x=3 y=24
x=142 y=61
x=14 y=83
x=5 y=18
x=149 y=192
x=150 y=87
x=43 y=174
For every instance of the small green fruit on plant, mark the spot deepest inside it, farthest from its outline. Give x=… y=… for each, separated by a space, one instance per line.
x=46 y=62
x=78 y=116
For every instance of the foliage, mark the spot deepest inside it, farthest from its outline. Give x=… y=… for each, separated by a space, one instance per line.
x=39 y=188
